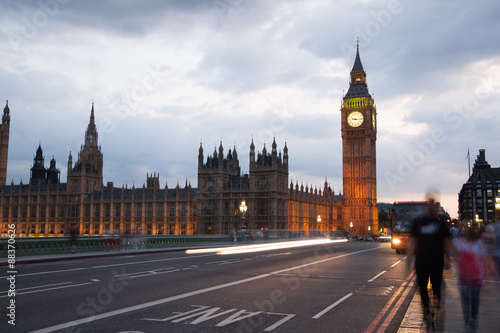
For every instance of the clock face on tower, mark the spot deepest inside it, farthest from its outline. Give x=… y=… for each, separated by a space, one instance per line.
x=355 y=119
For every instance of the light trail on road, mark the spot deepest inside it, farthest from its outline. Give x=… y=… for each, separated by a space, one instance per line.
x=264 y=247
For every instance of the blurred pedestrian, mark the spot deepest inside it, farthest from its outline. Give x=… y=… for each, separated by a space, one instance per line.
x=453 y=231
x=430 y=245
x=243 y=235
x=73 y=237
x=233 y=235
x=492 y=234
x=470 y=254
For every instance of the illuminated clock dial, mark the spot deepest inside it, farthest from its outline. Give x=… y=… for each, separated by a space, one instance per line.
x=355 y=119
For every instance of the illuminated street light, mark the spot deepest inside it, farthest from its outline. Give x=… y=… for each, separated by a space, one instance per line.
x=243 y=210
x=319 y=223
x=350 y=224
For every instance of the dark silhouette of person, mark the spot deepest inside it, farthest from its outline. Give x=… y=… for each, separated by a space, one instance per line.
x=73 y=238
x=430 y=245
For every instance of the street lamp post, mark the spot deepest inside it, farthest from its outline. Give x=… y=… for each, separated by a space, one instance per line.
x=497 y=208
x=319 y=223
x=243 y=210
x=350 y=224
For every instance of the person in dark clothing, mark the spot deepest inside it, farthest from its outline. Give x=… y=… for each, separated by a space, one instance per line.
x=430 y=245
x=73 y=236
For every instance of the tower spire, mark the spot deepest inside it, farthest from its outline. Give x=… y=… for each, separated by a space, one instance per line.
x=91 y=133
x=4 y=142
x=92 y=119
x=358 y=66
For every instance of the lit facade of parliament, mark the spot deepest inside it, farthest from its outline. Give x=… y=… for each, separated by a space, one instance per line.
x=48 y=207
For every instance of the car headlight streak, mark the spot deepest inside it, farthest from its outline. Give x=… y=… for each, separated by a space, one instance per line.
x=263 y=247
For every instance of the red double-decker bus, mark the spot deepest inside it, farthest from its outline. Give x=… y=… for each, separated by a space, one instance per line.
x=401 y=216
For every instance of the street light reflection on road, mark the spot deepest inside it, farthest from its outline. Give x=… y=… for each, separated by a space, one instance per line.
x=264 y=247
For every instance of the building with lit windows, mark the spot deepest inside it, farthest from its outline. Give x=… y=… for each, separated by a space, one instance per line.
x=477 y=200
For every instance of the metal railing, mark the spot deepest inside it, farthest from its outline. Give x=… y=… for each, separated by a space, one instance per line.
x=48 y=245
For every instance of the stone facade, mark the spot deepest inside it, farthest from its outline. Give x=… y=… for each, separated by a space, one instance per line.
x=222 y=188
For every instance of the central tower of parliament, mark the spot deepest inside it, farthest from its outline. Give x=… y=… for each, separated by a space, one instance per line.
x=48 y=207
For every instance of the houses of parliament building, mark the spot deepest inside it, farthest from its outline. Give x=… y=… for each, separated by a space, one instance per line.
x=46 y=206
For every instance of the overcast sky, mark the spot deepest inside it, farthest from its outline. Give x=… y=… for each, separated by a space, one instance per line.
x=166 y=76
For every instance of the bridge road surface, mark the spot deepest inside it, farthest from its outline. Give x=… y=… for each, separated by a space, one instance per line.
x=336 y=287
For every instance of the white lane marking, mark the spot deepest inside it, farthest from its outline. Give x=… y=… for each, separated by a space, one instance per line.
x=48 y=272
x=60 y=287
x=332 y=306
x=395 y=264
x=105 y=266
x=188 y=294
x=376 y=276
x=226 y=262
x=45 y=285
x=152 y=273
x=278 y=323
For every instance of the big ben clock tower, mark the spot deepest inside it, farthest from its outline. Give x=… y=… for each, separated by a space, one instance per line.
x=359 y=160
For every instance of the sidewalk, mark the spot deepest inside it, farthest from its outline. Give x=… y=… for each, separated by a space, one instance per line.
x=489 y=308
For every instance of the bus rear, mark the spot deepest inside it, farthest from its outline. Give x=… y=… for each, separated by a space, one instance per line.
x=401 y=215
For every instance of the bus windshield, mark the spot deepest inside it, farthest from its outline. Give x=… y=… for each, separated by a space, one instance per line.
x=405 y=213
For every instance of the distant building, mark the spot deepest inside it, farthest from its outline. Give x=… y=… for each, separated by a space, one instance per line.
x=48 y=207
x=476 y=200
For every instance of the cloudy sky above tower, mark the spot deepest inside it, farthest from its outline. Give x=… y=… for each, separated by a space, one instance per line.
x=166 y=76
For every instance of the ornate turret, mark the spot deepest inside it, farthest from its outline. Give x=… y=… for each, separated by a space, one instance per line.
x=86 y=174
x=153 y=181
x=70 y=163
x=53 y=172
x=4 y=143
x=38 y=172
x=274 y=150
x=91 y=132
x=221 y=154
x=252 y=153
x=6 y=114
x=200 y=156
x=285 y=155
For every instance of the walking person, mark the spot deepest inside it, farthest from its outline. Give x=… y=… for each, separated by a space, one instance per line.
x=470 y=254
x=73 y=236
x=453 y=231
x=233 y=235
x=430 y=245
x=243 y=235
x=492 y=237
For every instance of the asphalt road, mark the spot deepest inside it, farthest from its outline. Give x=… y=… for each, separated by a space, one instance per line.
x=339 y=287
